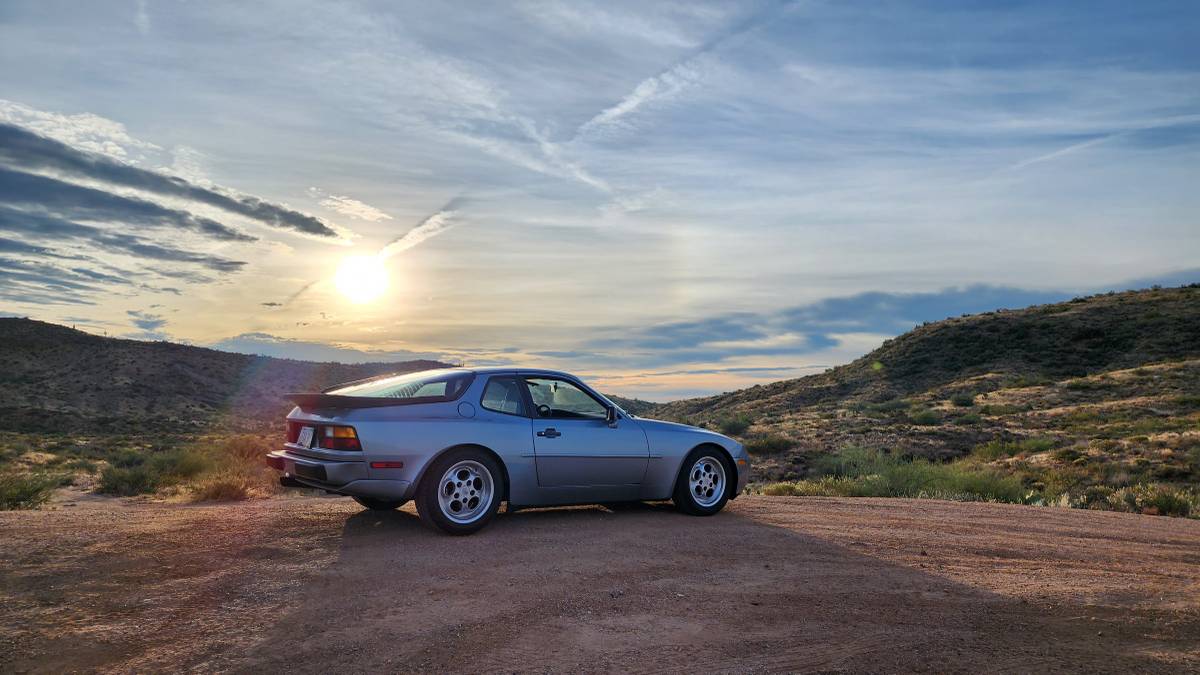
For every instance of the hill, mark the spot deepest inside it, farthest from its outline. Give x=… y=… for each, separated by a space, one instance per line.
x=56 y=379
x=1109 y=384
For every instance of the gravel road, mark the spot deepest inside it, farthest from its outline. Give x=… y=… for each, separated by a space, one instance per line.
x=313 y=584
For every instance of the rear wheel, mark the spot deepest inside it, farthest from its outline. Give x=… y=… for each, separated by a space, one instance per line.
x=461 y=491
x=381 y=504
x=704 y=483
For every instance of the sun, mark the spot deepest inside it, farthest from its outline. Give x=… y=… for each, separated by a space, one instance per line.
x=361 y=278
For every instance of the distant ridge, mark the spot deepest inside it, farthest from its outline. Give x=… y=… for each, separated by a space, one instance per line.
x=1056 y=341
x=58 y=379
x=1107 y=383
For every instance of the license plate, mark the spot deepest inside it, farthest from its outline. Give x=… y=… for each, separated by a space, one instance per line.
x=305 y=438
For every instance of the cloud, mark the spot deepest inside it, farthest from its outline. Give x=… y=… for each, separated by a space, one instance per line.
x=141 y=17
x=26 y=150
x=85 y=131
x=348 y=206
x=427 y=229
x=265 y=344
x=145 y=320
x=44 y=283
x=68 y=200
x=812 y=327
x=662 y=86
x=685 y=73
x=56 y=229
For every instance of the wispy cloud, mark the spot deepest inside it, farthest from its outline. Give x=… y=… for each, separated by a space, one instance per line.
x=20 y=148
x=68 y=200
x=349 y=206
x=681 y=75
x=428 y=228
x=52 y=229
x=141 y=17
x=660 y=87
x=145 y=320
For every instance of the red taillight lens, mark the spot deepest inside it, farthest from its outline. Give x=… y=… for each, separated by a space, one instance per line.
x=293 y=431
x=338 y=438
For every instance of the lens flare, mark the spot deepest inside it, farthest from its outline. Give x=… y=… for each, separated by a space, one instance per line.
x=361 y=278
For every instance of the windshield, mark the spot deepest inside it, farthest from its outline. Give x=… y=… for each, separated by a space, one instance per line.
x=436 y=385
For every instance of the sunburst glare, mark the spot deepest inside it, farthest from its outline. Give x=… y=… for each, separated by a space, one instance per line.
x=361 y=278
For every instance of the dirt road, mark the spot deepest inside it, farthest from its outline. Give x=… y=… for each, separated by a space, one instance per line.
x=773 y=584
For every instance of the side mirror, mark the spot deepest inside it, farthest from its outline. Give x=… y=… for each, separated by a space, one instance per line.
x=610 y=416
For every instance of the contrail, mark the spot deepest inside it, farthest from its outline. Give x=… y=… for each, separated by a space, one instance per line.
x=428 y=228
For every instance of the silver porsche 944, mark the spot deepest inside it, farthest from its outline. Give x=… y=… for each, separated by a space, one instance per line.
x=461 y=441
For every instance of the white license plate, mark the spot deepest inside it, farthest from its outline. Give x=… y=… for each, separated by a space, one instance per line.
x=305 y=438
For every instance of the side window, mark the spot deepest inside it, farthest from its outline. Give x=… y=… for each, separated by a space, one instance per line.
x=503 y=394
x=561 y=399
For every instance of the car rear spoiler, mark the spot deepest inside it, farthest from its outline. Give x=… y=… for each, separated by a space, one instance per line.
x=309 y=402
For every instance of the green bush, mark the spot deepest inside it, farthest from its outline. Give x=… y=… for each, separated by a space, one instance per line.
x=963 y=400
x=175 y=465
x=768 y=444
x=1155 y=499
x=925 y=418
x=857 y=472
x=26 y=491
x=735 y=425
x=997 y=449
x=968 y=419
x=128 y=481
x=889 y=406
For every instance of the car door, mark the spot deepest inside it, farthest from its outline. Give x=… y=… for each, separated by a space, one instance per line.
x=574 y=444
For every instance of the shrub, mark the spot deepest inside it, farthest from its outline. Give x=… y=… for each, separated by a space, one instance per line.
x=26 y=491
x=963 y=400
x=1155 y=499
x=997 y=449
x=128 y=481
x=889 y=406
x=175 y=465
x=768 y=444
x=245 y=448
x=968 y=419
x=734 y=426
x=925 y=418
x=225 y=486
x=856 y=472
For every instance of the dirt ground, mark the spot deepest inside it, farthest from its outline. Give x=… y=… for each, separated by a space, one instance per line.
x=772 y=584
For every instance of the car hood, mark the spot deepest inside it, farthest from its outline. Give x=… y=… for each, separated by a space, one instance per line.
x=675 y=427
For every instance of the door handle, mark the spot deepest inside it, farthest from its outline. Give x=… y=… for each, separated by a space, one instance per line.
x=549 y=433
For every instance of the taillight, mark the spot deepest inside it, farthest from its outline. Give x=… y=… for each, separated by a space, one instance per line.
x=293 y=431
x=338 y=438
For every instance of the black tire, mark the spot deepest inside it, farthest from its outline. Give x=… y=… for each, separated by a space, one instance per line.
x=692 y=504
x=380 y=504
x=429 y=499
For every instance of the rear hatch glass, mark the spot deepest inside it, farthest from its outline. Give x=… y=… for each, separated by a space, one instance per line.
x=429 y=385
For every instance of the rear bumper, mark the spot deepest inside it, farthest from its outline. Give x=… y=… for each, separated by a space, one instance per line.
x=343 y=477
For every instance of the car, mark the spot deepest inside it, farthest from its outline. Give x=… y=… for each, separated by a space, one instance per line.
x=461 y=441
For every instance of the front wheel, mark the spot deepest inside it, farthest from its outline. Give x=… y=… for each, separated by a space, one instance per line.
x=704 y=483
x=381 y=504
x=461 y=491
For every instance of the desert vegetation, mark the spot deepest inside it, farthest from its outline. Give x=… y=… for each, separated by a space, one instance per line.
x=193 y=468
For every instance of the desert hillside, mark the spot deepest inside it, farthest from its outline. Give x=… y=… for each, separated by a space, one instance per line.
x=56 y=379
x=1107 y=385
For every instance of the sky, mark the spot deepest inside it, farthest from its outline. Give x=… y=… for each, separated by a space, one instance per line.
x=669 y=199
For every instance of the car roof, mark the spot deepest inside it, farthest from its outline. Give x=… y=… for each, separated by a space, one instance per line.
x=489 y=370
